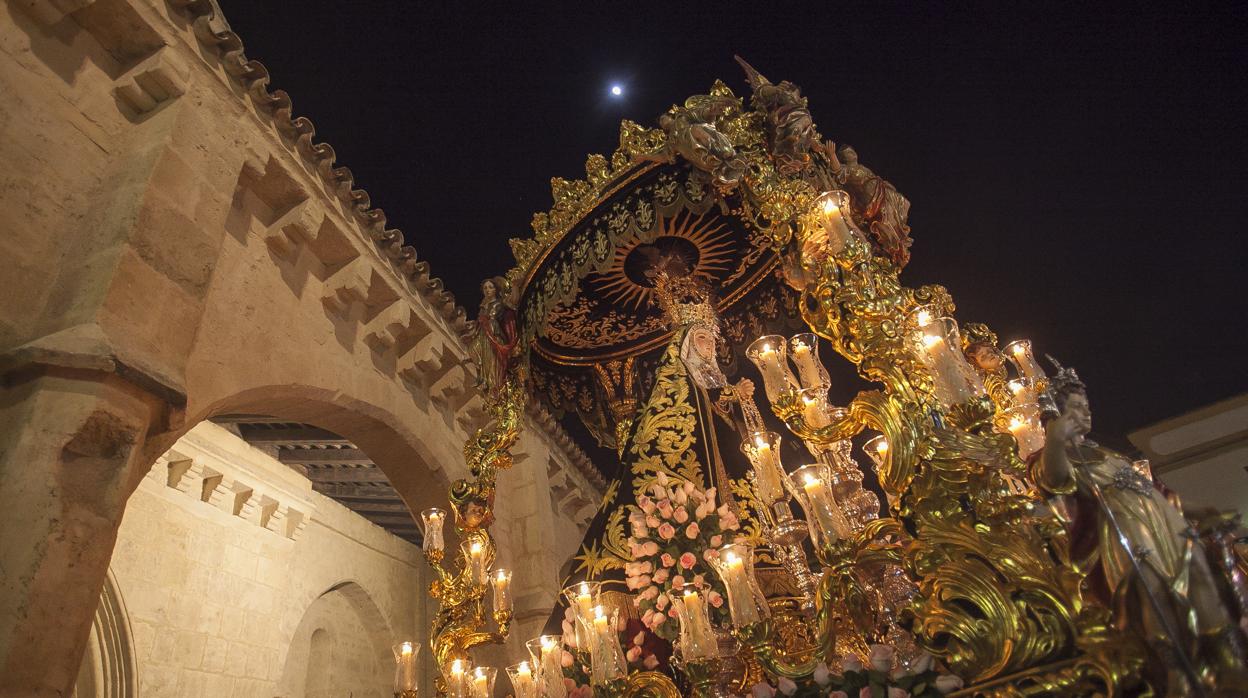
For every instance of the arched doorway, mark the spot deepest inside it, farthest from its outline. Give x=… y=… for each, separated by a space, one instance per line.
x=108 y=668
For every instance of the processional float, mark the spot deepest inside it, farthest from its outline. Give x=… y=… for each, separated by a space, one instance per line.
x=726 y=558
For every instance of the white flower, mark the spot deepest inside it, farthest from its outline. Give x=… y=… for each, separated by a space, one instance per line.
x=762 y=690
x=822 y=675
x=786 y=686
x=948 y=683
x=851 y=662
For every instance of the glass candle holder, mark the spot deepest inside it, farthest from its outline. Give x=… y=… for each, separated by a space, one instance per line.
x=769 y=354
x=501 y=581
x=523 y=680
x=1023 y=422
x=457 y=679
x=954 y=382
x=1022 y=391
x=763 y=450
x=481 y=682
x=582 y=598
x=804 y=352
x=833 y=211
x=735 y=566
x=433 y=520
x=607 y=661
x=876 y=449
x=474 y=556
x=815 y=408
x=1019 y=354
x=812 y=486
x=697 y=639
x=547 y=654
x=405 y=654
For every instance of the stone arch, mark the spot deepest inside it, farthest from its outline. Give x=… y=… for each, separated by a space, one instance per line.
x=108 y=668
x=325 y=631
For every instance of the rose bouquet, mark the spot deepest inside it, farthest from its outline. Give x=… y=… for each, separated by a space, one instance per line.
x=875 y=679
x=675 y=530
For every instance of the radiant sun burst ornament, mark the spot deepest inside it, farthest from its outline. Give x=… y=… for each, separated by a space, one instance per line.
x=703 y=243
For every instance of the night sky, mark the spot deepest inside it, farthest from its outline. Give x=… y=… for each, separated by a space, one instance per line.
x=1077 y=179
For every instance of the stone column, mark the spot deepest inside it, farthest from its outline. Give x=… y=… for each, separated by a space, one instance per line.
x=72 y=450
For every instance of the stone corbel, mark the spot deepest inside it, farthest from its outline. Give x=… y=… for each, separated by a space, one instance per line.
x=155 y=80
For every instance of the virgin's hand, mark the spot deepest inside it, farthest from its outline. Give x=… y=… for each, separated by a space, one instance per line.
x=1061 y=429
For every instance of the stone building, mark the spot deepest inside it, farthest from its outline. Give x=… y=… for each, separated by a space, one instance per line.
x=187 y=267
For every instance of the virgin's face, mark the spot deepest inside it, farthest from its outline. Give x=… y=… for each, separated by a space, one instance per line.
x=488 y=290
x=704 y=343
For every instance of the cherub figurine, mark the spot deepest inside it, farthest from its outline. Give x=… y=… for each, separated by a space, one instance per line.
x=493 y=340
x=1144 y=549
x=881 y=205
x=979 y=345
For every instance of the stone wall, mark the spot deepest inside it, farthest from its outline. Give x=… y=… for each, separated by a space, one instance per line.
x=221 y=604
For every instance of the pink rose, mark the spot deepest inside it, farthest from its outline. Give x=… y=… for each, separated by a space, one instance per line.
x=661 y=602
x=566 y=660
x=898 y=692
x=786 y=686
x=665 y=509
x=633 y=654
x=661 y=576
x=762 y=690
x=639 y=639
x=649 y=593
x=729 y=521
x=647 y=617
x=687 y=560
x=646 y=504
x=692 y=532
x=710 y=554
x=948 y=683
x=822 y=675
x=698 y=580
x=838 y=694
x=639 y=529
x=636 y=548
x=710 y=496
x=650 y=548
x=717 y=540
x=667 y=560
x=677 y=581
x=680 y=496
x=688 y=487
x=865 y=692
x=671 y=612
x=652 y=521
x=667 y=531
x=715 y=598
x=650 y=662
x=680 y=515
x=704 y=510
x=851 y=662
x=881 y=658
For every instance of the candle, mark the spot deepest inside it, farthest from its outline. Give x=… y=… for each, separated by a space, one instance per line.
x=811 y=487
x=1021 y=391
x=833 y=207
x=768 y=354
x=1019 y=353
x=457 y=682
x=954 y=382
x=746 y=603
x=763 y=450
x=522 y=681
x=476 y=562
x=814 y=409
x=810 y=370
x=607 y=660
x=433 y=520
x=876 y=449
x=697 y=640
x=483 y=682
x=582 y=597
x=501 y=579
x=1023 y=423
x=547 y=654
x=405 y=666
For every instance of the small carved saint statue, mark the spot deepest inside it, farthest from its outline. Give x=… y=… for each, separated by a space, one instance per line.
x=1155 y=573
x=493 y=340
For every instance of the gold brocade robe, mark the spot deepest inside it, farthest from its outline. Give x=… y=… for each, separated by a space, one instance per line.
x=1154 y=528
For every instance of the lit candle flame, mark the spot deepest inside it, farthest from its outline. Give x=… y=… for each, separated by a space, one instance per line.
x=407 y=648
x=829 y=206
x=881 y=446
x=931 y=340
x=924 y=317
